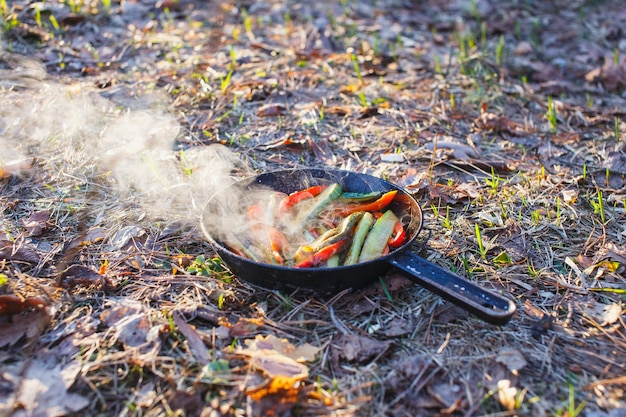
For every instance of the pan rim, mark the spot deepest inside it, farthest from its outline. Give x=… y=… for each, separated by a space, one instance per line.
x=404 y=247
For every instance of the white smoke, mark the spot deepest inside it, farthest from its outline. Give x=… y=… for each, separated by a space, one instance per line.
x=74 y=127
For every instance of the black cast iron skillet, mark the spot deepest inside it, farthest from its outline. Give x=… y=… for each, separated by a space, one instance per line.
x=484 y=304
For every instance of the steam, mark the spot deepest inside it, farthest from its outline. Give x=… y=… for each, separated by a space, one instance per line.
x=78 y=130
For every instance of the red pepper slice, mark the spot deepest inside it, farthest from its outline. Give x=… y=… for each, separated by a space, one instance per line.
x=278 y=241
x=267 y=235
x=298 y=196
x=398 y=237
x=377 y=205
x=322 y=255
x=255 y=212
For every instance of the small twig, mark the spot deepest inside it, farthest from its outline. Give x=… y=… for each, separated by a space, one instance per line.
x=342 y=327
x=608 y=381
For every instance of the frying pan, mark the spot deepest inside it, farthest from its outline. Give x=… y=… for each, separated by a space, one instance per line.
x=484 y=304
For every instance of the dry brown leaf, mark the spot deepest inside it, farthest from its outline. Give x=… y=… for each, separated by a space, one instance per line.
x=392 y=157
x=125 y=236
x=131 y=324
x=12 y=304
x=43 y=391
x=566 y=138
x=396 y=282
x=448 y=312
x=397 y=327
x=133 y=330
x=81 y=276
x=37 y=222
x=447 y=394
x=29 y=325
x=277 y=357
x=512 y=359
x=94 y=235
x=605 y=314
x=276 y=397
x=523 y=48
x=500 y=124
x=612 y=76
x=446 y=193
x=274 y=364
x=22 y=253
x=323 y=152
x=189 y=402
x=272 y=110
x=196 y=344
x=610 y=258
x=303 y=353
x=353 y=347
x=245 y=327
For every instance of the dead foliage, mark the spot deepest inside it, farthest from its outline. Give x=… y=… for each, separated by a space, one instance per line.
x=118 y=120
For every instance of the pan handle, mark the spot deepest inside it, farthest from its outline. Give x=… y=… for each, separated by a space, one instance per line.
x=484 y=304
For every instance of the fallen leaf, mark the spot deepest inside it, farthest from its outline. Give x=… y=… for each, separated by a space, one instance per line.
x=610 y=258
x=353 y=347
x=349 y=89
x=43 y=391
x=323 y=152
x=276 y=397
x=22 y=253
x=272 y=110
x=92 y=236
x=274 y=364
x=303 y=353
x=133 y=330
x=447 y=394
x=146 y=395
x=612 y=76
x=448 y=312
x=565 y=138
x=284 y=142
x=512 y=359
x=337 y=110
x=196 y=344
x=27 y=325
x=189 y=402
x=81 y=276
x=37 y=222
x=397 y=327
x=132 y=326
x=449 y=194
x=523 y=48
x=615 y=162
x=277 y=357
x=396 y=282
x=541 y=326
x=12 y=304
x=569 y=196
x=245 y=327
x=125 y=235
x=605 y=314
x=499 y=124
x=369 y=112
